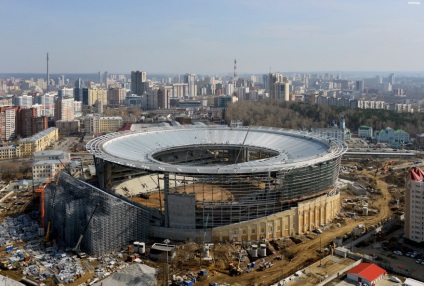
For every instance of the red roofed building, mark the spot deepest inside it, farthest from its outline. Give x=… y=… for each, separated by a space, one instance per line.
x=366 y=273
x=414 y=192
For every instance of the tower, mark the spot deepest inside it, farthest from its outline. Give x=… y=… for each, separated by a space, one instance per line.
x=235 y=75
x=48 y=75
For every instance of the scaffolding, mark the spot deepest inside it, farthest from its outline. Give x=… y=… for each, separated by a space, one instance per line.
x=116 y=223
x=233 y=198
x=233 y=175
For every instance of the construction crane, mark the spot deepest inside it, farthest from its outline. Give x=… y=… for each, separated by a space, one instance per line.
x=40 y=190
x=77 y=246
x=47 y=238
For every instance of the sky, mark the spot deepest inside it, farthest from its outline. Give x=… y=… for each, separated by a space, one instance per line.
x=205 y=36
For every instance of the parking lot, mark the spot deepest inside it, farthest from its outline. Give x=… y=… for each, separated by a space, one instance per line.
x=401 y=257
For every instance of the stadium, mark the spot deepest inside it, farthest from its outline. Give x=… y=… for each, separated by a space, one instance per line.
x=229 y=174
x=193 y=181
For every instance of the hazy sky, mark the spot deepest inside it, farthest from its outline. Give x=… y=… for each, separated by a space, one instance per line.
x=204 y=36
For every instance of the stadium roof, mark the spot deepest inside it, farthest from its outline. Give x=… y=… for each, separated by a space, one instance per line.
x=295 y=149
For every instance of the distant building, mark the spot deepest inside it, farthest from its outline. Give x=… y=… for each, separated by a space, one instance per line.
x=96 y=124
x=46 y=163
x=96 y=96
x=132 y=100
x=180 y=90
x=48 y=103
x=223 y=100
x=337 y=132
x=190 y=80
x=164 y=98
x=116 y=96
x=9 y=152
x=365 y=131
x=394 y=137
x=67 y=127
x=8 y=123
x=414 y=204
x=282 y=91
x=37 y=142
x=359 y=85
x=27 y=121
x=64 y=109
x=65 y=93
x=139 y=84
x=27 y=146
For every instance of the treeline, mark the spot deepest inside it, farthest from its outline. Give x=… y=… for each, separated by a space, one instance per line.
x=296 y=115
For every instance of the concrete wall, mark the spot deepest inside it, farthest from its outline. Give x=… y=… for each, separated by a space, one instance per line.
x=308 y=215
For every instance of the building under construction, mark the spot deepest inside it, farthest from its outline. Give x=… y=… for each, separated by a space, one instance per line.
x=197 y=179
x=116 y=221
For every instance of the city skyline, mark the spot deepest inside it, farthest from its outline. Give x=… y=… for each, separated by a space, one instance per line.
x=204 y=38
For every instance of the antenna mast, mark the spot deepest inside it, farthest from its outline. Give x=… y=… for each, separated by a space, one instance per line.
x=235 y=77
x=48 y=75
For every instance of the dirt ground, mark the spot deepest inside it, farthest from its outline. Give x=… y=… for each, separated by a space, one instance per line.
x=207 y=193
x=306 y=252
x=296 y=256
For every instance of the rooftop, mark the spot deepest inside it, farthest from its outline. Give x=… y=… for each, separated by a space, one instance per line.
x=38 y=135
x=293 y=149
x=368 y=271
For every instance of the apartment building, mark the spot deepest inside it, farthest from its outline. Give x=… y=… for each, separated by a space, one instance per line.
x=47 y=162
x=414 y=205
x=96 y=124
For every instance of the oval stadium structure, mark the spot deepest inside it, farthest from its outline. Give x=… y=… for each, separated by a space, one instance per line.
x=214 y=176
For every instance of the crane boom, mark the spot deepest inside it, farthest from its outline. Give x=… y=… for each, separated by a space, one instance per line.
x=40 y=190
x=76 y=248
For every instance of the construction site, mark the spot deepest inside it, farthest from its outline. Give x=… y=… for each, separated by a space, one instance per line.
x=242 y=229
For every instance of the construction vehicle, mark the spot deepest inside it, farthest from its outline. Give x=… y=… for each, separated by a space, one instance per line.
x=235 y=270
x=76 y=249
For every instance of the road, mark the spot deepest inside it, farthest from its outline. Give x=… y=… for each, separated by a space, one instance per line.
x=304 y=252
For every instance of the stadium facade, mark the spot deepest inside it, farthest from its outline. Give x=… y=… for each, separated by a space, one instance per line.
x=234 y=183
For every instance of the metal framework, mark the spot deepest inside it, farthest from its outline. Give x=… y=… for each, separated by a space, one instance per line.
x=116 y=222
x=138 y=149
x=234 y=174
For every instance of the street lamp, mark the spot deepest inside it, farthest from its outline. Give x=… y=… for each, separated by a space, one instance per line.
x=167 y=241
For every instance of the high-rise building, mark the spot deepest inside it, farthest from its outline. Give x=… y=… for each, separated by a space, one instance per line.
x=139 y=83
x=65 y=93
x=282 y=91
x=164 y=98
x=48 y=104
x=106 y=77
x=78 y=89
x=64 y=109
x=116 y=96
x=392 y=78
x=359 y=85
x=414 y=205
x=96 y=96
x=27 y=121
x=24 y=101
x=273 y=78
x=190 y=79
x=8 y=122
x=179 y=90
